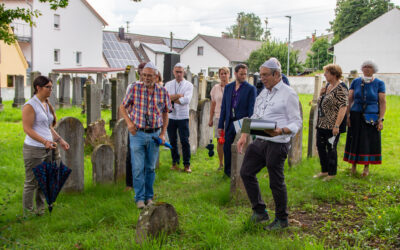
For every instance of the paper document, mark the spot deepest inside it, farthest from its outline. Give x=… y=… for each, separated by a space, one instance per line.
x=262 y=125
x=332 y=139
x=238 y=125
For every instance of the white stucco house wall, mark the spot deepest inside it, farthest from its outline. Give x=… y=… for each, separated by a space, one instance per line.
x=69 y=37
x=378 y=41
x=209 y=53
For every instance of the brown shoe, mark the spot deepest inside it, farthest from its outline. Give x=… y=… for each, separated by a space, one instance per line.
x=175 y=167
x=187 y=169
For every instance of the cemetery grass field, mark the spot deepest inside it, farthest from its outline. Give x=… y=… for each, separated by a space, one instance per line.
x=347 y=212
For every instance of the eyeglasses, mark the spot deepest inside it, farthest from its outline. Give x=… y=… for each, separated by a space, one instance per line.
x=48 y=87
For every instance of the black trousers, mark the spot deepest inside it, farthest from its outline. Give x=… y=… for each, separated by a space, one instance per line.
x=327 y=152
x=181 y=127
x=259 y=154
x=230 y=134
x=128 y=176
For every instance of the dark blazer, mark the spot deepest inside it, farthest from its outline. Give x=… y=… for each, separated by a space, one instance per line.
x=244 y=108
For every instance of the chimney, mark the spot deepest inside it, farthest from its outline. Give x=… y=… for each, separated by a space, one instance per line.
x=121 y=33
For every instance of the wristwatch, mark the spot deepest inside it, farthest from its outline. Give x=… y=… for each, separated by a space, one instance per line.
x=381 y=119
x=336 y=126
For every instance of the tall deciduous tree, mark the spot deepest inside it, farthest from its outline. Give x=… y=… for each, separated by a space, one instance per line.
x=274 y=49
x=248 y=26
x=319 y=56
x=351 y=15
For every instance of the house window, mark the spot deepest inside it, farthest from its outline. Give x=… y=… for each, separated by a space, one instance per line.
x=78 y=58
x=10 y=81
x=200 y=50
x=56 y=21
x=56 y=56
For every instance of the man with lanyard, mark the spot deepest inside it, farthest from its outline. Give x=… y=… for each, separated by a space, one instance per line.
x=148 y=105
x=180 y=92
x=277 y=102
x=237 y=103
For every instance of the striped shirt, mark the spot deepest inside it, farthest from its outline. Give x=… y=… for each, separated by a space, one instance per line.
x=145 y=109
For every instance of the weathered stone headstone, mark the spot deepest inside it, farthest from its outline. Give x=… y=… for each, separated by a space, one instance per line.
x=353 y=75
x=154 y=220
x=193 y=131
x=130 y=75
x=238 y=191
x=195 y=97
x=53 y=97
x=71 y=130
x=65 y=92
x=99 y=79
x=251 y=79
x=205 y=131
x=256 y=78
x=189 y=76
x=106 y=95
x=312 y=131
x=19 y=98
x=93 y=109
x=210 y=84
x=32 y=77
x=296 y=144
x=103 y=164
x=96 y=133
x=117 y=95
x=76 y=91
x=120 y=141
x=202 y=87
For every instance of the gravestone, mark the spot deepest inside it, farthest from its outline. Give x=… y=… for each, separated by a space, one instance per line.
x=19 y=98
x=256 y=78
x=195 y=97
x=296 y=144
x=189 y=76
x=106 y=103
x=205 y=131
x=53 y=97
x=130 y=75
x=312 y=123
x=103 y=164
x=117 y=95
x=96 y=133
x=99 y=79
x=193 y=131
x=210 y=84
x=71 y=130
x=1 y=102
x=159 y=218
x=251 y=79
x=120 y=141
x=238 y=191
x=202 y=87
x=33 y=76
x=76 y=91
x=64 y=93
x=93 y=108
x=353 y=75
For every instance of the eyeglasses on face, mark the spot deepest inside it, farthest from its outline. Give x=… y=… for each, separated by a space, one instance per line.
x=48 y=87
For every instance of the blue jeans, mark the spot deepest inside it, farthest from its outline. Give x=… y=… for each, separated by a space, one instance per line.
x=144 y=153
x=182 y=126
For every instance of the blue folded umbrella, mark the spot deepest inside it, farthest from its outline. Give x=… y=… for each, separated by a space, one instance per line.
x=159 y=142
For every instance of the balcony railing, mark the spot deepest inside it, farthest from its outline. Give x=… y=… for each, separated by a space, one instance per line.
x=22 y=31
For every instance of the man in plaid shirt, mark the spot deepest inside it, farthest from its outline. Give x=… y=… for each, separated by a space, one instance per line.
x=145 y=110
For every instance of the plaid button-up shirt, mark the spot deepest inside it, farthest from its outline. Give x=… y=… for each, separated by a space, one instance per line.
x=145 y=109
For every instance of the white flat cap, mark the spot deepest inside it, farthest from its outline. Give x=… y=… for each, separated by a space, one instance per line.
x=180 y=65
x=150 y=65
x=271 y=63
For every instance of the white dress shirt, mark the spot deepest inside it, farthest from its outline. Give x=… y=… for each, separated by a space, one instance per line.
x=281 y=105
x=180 y=111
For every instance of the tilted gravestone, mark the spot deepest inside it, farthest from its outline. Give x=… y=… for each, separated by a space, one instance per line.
x=19 y=98
x=65 y=92
x=189 y=75
x=193 y=131
x=202 y=88
x=296 y=144
x=71 y=130
x=117 y=95
x=312 y=130
x=353 y=75
x=120 y=141
x=76 y=91
x=32 y=78
x=103 y=164
x=93 y=109
x=53 y=97
x=205 y=131
x=154 y=220
x=238 y=191
x=195 y=97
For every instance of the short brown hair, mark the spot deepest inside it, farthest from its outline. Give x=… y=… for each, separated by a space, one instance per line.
x=334 y=69
x=240 y=66
x=226 y=69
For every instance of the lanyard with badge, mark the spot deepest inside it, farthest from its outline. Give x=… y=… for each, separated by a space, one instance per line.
x=147 y=115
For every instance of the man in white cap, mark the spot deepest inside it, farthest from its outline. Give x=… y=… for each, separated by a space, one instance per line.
x=277 y=102
x=145 y=110
x=180 y=92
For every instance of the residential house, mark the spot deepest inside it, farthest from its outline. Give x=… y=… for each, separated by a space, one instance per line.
x=377 y=41
x=208 y=53
x=304 y=46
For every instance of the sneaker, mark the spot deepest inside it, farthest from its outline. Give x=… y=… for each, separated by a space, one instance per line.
x=187 y=169
x=140 y=204
x=175 y=167
x=320 y=175
x=149 y=202
x=277 y=224
x=259 y=218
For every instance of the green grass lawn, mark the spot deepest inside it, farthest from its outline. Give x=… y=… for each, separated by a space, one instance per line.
x=348 y=212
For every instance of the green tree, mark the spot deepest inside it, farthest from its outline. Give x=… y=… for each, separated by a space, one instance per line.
x=248 y=26
x=319 y=56
x=274 y=49
x=351 y=15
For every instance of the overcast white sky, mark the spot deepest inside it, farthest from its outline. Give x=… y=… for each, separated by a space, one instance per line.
x=186 y=18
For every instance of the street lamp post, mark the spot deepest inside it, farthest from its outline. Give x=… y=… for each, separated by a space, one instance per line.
x=288 y=51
